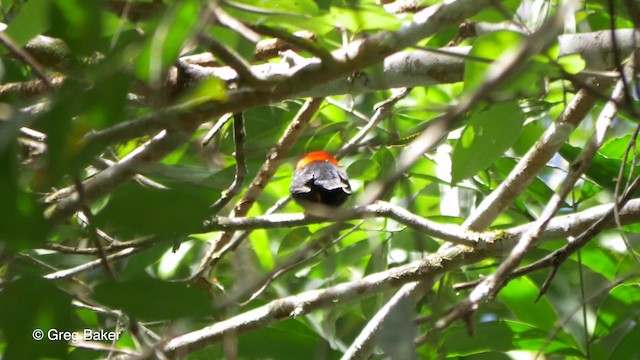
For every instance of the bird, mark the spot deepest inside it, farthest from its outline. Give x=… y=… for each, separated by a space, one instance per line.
x=318 y=182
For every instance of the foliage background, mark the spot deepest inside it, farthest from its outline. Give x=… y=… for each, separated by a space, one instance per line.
x=106 y=188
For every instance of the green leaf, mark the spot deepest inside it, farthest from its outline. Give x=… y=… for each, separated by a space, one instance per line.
x=78 y=23
x=292 y=242
x=363 y=18
x=289 y=340
x=22 y=224
x=32 y=20
x=621 y=305
x=209 y=89
x=616 y=148
x=164 y=45
x=497 y=14
x=31 y=303
x=384 y=159
x=261 y=247
x=105 y=102
x=502 y=336
x=364 y=169
x=586 y=191
x=56 y=124
x=487 y=136
x=627 y=348
x=495 y=45
x=519 y=295
x=602 y=170
x=151 y=299
x=599 y=260
x=298 y=7
x=572 y=64
x=490 y=47
x=538 y=189
x=288 y=15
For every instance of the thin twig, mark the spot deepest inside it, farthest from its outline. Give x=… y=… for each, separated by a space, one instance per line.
x=140 y=243
x=301 y=257
x=561 y=255
x=271 y=48
x=584 y=301
x=233 y=59
x=304 y=303
x=93 y=234
x=108 y=179
x=274 y=158
x=493 y=283
x=382 y=110
x=216 y=128
x=305 y=44
x=26 y=58
x=63 y=274
x=631 y=146
x=233 y=23
x=501 y=71
x=239 y=136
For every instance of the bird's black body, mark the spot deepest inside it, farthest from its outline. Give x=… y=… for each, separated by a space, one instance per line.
x=320 y=182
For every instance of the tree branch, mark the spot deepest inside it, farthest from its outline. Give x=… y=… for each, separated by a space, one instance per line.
x=304 y=303
x=67 y=273
x=274 y=158
x=492 y=284
x=239 y=136
x=112 y=177
x=445 y=232
x=445 y=260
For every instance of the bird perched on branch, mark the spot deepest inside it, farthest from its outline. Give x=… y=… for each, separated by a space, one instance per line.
x=318 y=180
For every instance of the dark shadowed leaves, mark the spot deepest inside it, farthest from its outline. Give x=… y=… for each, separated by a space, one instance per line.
x=134 y=210
x=150 y=299
x=32 y=303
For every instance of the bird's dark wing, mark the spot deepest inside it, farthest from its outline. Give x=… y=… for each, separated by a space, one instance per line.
x=330 y=177
x=302 y=181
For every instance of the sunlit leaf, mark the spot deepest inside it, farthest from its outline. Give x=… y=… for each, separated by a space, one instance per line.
x=487 y=135
x=621 y=305
x=519 y=296
x=572 y=64
x=364 y=169
x=32 y=20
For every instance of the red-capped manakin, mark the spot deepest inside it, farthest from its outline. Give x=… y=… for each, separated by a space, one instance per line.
x=318 y=180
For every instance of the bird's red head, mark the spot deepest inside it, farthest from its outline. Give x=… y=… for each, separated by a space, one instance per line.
x=315 y=156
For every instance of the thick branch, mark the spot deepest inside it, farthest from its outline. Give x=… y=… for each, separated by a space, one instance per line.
x=403 y=69
x=492 y=284
x=532 y=163
x=112 y=177
x=357 y=56
x=297 y=305
x=446 y=232
x=559 y=227
x=433 y=265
